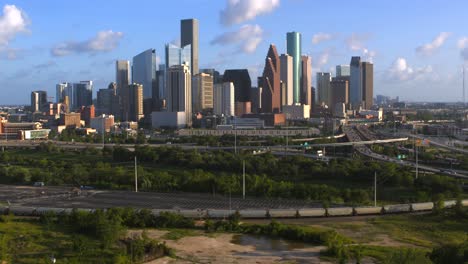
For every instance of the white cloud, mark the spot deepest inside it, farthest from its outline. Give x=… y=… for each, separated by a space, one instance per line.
x=357 y=41
x=401 y=71
x=436 y=43
x=103 y=41
x=238 y=11
x=323 y=58
x=246 y=37
x=12 y=22
x=321 y=37
x=463 y=46
x=368 y=55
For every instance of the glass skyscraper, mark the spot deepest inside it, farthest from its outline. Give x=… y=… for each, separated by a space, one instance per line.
x=294 y=48
x=144 y=72
x=176 y=56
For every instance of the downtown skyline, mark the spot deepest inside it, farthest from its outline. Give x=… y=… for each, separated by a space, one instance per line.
x=419 y=62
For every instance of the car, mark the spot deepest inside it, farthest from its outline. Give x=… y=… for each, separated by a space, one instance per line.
x=39 y=184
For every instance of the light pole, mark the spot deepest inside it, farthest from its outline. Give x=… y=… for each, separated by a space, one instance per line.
x=136 y=175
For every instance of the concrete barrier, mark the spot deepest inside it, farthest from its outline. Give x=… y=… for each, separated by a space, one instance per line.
x=219 y=213
x=192 y=213
x=397 y=208
x=422 y=206
x=22 y=210
x=339 y=211
x=43 y=210
x=369 y=210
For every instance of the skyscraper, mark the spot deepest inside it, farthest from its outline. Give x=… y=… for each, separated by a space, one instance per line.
x=38 y=101
x=323 y=88
x=132 y=102
x=122 y=74
x=177 y=56
x=294 y=49
x=367 y=84
x=61 y=90
x=271 y=81
x=287 y=77
x=144 y=72
x=224 y=99
x=306 y=80
x=242 y=83
x=202 y=92
x=342 y=70
x=82 y=94
x=339 y=91
x=107 y=100
x=189 y=36
x=355 y=85
x=179 y=91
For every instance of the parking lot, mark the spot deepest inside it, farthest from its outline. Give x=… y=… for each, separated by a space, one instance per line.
x=68 y=197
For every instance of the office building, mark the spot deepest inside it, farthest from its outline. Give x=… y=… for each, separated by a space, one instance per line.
x=102 y=123
x=179 y=91
x=339 y=91
x=242 y=83
x=189 y=36
x=255 y=99
x=122 y=74
x=82 y=94
x=367 y=84
x=107 y=100
x=355 y=85
x=323 y=88
x=217 y=78
x=271 y=82
x=38 y=101
x=342 y=70
x=62 y=90
x=242 y=108
x=144 y=72
x=87 y=113
x=294 y=49
x=306 y=80
x=160 y=88
x=202 y=92
x=70 y=120
x=132 y=102
x=286 y=72
x=178 y=55
x=223 y=99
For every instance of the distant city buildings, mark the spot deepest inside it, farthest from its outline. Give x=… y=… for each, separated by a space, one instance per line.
x=306 y=80
x=224 y=99
x=38 y=101
x=202 y=91
x=179 y=91
x=343 y=70
x=286 y=72
x=361 y=83
x=323 y=88
x=270 y=83
x=144 y=72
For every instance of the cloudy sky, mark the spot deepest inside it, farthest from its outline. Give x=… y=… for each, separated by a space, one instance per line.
x=418 y=47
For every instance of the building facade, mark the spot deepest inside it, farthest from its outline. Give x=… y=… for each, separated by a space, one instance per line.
x=355 y=85
x=189 y=36
x=339 y=91
x=202 y=92
x=132 y=102
x=294 y=49
x=83 y=94
x=342 y=70
x=242 y=83
x=179 y=91
x=271 y=82
x=122 y=74
x=323 y=88
x=38 y=101
x=224 y=99
x=306 y=80
x=286 y=72
x=367 y=84
x=144 y=72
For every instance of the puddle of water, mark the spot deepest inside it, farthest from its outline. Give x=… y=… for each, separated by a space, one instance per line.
x=265 y=243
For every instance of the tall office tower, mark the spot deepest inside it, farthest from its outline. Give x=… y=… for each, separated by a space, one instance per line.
x=189 y=36
x=83 y=94
x=61 y=90
x=216 y=76
x=355 y=85
x=313 y=95
x=107 y=100
x=323 y=88
x=122 y=74
x=178 y=55
x=287 y=77
x=339 y=91
x=255 y=100
x=144 y=72
x=294 y=49
x=160 y=87
x=202 y=92
x=271 y=82
x=342 y=70
x=38 y=101
x=242 y=83
x=132 y=102
x=223 y=99
x=367 y=81
x=306 y=79
x=179 y=91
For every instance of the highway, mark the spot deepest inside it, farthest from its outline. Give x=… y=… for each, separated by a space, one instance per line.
x=353 y=134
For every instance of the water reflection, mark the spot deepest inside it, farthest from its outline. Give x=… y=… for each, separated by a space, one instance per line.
x=265 y=243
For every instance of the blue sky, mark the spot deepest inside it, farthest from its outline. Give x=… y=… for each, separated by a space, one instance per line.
x=417 y=46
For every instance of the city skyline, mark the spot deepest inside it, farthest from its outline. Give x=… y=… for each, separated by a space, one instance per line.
x=41 y=52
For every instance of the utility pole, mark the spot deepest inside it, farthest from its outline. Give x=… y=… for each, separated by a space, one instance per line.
x=243 y=179
x=375 y=189
x=136 y=175
x=416 y=146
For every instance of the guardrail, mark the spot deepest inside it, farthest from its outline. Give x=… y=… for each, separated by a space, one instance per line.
x=257 y=213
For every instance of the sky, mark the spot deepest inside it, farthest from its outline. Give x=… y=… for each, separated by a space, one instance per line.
x=418 y=47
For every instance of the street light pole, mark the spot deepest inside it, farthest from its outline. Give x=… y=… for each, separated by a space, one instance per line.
x=136 y=175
